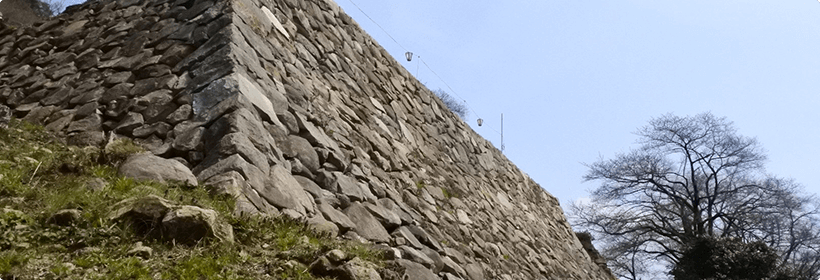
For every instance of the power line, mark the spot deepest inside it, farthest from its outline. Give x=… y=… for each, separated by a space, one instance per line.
x=428 y=68
x=454 y=92
x=377 y=24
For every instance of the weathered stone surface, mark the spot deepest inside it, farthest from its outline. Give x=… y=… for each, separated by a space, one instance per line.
x=416 y=256
x=151 y=167
x=140 y=251
x=360 y=269
x=309 y=186
x=408 y=236
x=417 y=271
x=184 y=224
x=388 y=219
x=366 y=225
x=350 y=187
x=320 y=225
x=282 y=190
x=229 y=183
x=336 y=216
x=189 y=224
x=300 y=148
x=474 y=271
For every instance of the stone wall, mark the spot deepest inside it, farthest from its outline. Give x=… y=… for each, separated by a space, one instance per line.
x=289 y=106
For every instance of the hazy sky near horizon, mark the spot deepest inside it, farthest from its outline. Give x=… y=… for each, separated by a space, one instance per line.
x=575 y=79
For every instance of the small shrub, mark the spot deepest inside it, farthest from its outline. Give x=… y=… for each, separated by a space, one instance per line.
x=456 y=107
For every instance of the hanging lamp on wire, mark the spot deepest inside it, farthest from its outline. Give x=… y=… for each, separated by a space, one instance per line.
x=409 y=56
x=480 y=121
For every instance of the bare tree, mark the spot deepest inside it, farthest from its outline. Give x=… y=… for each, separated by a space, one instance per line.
x=456 y=107
x=692 y=177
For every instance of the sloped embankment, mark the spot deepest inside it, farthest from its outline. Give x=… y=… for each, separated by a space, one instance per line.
x=291 y=107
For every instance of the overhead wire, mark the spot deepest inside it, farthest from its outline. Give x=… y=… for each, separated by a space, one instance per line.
x=425 y=65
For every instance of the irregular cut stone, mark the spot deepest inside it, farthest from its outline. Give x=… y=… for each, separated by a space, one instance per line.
x=474 y=271
x=309 y=186
x=417 y=271
x=151 y=167
x=351 y=188
x=298 y=147
x=320 y=225
x=229 y=183
x=408 y=236
x=360 y=269
x=367 y=226
x=336 y=216
x=416 y=256
x=283 y=191
x=388 y=219
x=189 y=224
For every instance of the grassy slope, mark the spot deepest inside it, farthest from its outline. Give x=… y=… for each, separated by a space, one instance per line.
x=39 y=175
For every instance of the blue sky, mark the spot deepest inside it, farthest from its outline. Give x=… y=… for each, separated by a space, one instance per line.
x=574 y=79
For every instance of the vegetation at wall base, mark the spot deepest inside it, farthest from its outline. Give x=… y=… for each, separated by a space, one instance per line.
x=729 y=259
x=40 y=176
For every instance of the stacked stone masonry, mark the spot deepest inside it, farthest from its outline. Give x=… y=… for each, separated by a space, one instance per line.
x=290 y=107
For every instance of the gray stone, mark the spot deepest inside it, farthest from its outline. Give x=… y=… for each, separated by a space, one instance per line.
x=64 y=217
x=90 y=123
x=367 y=226
x=86 y=138
x=238 y=143
x=190 y=139
x=336 y=216
x=474 y=271
x=438 y=262
x=322 y=226
x=190 y=224
x=151 y=167
x=351 y=188
x=38 y=115
x=451 y=266
x=416 y=256
x=140 y=251
x=182 y=113
x=229 y=183
x=96 y=184
x=283 y=191
x=309 y=186
x=129 y=123
x=5 y=116
x=388 y=219
x=234 y=85
x=359 y=269
x=416 y=271
x=408 y=236
x=298 y=147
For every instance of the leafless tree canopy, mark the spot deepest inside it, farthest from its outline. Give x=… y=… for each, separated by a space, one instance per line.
x=694 y=177
x=459 y=108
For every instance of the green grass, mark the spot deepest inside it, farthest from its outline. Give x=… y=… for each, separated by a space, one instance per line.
x=40 y=175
